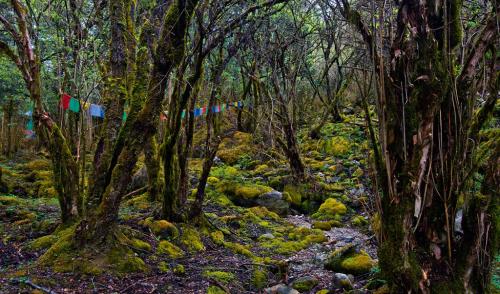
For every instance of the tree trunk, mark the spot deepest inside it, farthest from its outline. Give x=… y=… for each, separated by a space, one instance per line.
x=152 y=167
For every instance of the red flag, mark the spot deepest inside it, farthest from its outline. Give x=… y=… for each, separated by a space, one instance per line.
x=65 y=98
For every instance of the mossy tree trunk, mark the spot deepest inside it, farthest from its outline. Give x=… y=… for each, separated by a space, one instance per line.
x=427 y=120
x=26 y=59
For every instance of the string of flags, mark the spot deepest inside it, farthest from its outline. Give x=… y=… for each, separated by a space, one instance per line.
x=95 y=110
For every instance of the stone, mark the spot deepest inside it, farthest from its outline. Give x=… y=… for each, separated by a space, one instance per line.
x=267 y=236
x=274 y=201
x=304 y=284
x=343 y=281
x=281 y=289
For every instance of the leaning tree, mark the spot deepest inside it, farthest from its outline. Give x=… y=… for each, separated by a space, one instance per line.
x=429 y=123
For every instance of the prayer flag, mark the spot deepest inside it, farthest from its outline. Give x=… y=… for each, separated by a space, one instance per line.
x=240 y=103
x=183 y=114
x=96 y=110
x=223 y=107
x=198 y=112
x=65 y=98
x=124 y=116
x=74 y=105
x=29 y=125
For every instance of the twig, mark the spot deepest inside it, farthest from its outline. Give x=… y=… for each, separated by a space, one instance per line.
x=33 y=285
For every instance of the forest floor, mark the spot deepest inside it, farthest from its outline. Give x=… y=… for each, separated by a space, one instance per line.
x=263 y=232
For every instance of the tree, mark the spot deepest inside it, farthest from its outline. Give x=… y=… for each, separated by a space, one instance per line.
x=429 y=125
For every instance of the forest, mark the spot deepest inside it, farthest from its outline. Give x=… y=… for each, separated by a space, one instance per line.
x=262 y=146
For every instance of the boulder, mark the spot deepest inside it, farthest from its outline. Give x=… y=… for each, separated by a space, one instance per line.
x=350 y=260
x=273 y=201
x=342 y=281
x=305 y=284
x=281 y=289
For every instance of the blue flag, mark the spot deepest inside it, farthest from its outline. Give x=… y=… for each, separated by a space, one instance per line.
x=96 y=110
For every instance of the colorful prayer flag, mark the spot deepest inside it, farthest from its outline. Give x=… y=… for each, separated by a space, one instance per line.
x=124 y=116
x=74 y=105
x=223 y=107
x=183 y=114
x=96 y=110
x=65 y=98
x=29 y=125
x=198 y=112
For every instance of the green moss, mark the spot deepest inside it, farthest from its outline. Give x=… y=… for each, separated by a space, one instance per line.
x=139 y=244
x=336 y=146
x=161 y=227
x=217 y=237
x=212 y=180
x=304 y=284
x=259 y=278
x=10 y=200
x=37 y=165
x=169 y=249
x=298 y=239
x=263 y=212
x=215 y=290
x=125 y=261
x=219 y=276
x=231 y=149
x=330 y=209
x=325 y=226
x=347 y=260
x=323 y=291
x=294 y=193
x=163 y=267
x=140 y=202
x=239 y=249
x=43 y=242
x=335 y=187
x=251 y=191
x=358 y=173
x=179 y=270
x=261 y=169
x=190 y=238
x=359 y=221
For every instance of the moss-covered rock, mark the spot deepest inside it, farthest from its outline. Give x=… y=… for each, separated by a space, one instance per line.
x=305 y=284
x=358 y=220
x=348 y=260
x=294 y=193
x=140 y=202
x=179 y=270
x=163 y=267
x=330 y=209
x=260 y=169
x=212 y=180
x=325 y=226
x=190 y=239
x=215 y=290
x=169 y=249
x=161 y=227
x=336 y=146
x=217 y=237
x=231 y=149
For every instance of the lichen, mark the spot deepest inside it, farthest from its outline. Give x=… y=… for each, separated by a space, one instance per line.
x=169 y=249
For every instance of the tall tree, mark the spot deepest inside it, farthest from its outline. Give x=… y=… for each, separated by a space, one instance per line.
x=429 y=125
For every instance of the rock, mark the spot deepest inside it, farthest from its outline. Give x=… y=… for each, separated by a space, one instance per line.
x=305 y=284
x=343 y=281
x=267 y=236
x=281 y=289
x=273 y=201
x=348 y=259
x=217 y=161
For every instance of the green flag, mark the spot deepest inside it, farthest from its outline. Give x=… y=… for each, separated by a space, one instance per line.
x=74 y=105
x=29 y=125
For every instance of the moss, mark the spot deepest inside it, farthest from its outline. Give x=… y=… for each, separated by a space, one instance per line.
x=225 y=172
x=347 y=260
x=190 y=238
x=358 y=173
x=239 y=249
x=139 y=244
x=336 y=146
x=161 y=227
x=323 y=291
x=251 y=191
x=263 y=212
x=325 y=226
x=299 y=238
x=304 y=284
x=10 y=200
x=330 y=209
x=212 y=181
x=43 y=242
x=37 y=165
x=219 y=276
x=231 y=149
x=261 y=169
x=163 y=267
x=215 y=290
x=217 y=237
x=382 y=290
x=359 y=221
x=335 y=187
x=179 y=270
x=294 y=193
x=376 y=223
x=169 y=249
x=259 y=278
x=140 y=202
x=125 y=261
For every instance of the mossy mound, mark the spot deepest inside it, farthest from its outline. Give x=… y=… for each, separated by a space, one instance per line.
x=116 y=256
x=161 y=227
x=231 y=149
x=140 y=202
x=330 y=209
x=43 y=242
x=243 y=191
x=169 y=249
x=215 y=290
x=358 y=220
x=305 y=284
x=326 y=225
x=297 y=238
x=190 y=239
x=348 y=260
x=336 y=146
